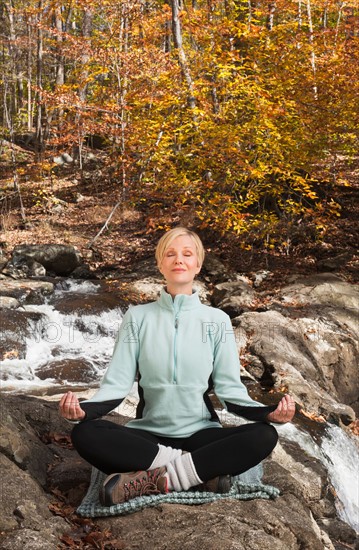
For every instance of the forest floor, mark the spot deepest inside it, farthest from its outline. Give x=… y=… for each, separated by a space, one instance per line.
x=68 y=206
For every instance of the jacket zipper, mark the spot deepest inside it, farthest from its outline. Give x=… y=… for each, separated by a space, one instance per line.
x=175 y=350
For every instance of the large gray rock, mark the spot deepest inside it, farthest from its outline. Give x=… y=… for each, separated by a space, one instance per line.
x=234 y=297
x=303 y=337
x=58 y=258
x=21 y=267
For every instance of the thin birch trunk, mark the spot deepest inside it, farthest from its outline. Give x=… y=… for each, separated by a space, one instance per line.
x=30 y=107
x=182 y=58
x=86 y=33
x=270 y=16
x=312 y=55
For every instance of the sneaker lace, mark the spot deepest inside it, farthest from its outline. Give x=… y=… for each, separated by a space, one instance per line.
x=145 y=486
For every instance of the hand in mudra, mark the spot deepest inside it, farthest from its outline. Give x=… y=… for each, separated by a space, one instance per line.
x=69 y=407
x=284 y=412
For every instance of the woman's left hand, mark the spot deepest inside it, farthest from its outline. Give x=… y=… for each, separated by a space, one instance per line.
x=284 y=411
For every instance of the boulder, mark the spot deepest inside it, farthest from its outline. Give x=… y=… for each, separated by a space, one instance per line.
x=302 y=337
x=68 y=371
x=234 y=297
x=21 y=267
x=60 y=259
x=6 y=302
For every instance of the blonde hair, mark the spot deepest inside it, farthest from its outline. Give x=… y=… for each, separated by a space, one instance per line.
x=172 y=234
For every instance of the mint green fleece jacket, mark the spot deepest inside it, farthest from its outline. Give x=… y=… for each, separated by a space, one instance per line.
x=180 y=349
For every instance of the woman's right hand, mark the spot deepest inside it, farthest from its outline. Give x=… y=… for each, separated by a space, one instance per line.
x=69 y=407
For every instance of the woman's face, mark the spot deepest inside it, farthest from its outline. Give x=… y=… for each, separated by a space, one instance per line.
x=179 y=264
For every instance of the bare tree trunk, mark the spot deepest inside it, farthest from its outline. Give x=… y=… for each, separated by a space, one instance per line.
x=341 y=6
x=178 y=43
x=17 y=86
x=60 y=64
x=9 y=124
x=270 y=17
x=86 y=33
x=300 y=14
x=59 y=70
x=30 y=110
x=39 y=67
x=123 y=85
x=312 y=55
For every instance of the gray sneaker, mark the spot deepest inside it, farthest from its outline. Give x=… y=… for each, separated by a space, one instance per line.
x=119 y=488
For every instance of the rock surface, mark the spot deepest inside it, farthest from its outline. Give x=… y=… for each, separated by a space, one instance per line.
x=60 y=259
x=301 y=338
x=36 y=458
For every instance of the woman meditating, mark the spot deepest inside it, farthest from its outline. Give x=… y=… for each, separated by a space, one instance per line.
x=179 y=350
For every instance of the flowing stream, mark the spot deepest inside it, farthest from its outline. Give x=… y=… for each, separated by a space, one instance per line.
x=59 y=337
x=339 y=453
x=63 y=348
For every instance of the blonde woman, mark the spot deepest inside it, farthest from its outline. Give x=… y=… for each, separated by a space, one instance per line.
x=179 y=350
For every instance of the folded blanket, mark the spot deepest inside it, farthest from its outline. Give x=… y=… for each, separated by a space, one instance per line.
x=246 y=486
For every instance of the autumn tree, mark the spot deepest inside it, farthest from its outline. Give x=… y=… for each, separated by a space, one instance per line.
x=234 y=110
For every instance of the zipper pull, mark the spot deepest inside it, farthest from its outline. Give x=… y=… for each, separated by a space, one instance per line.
x=176 y=322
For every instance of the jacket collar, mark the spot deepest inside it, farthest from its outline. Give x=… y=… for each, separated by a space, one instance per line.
x=179 y=302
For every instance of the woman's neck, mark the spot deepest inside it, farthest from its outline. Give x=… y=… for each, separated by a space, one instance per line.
x=174 y=290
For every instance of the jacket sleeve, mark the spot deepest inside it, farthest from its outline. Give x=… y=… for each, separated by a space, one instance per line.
x=121 y=372
x=227 y=383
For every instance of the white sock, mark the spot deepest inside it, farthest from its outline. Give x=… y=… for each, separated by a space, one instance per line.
x=181 y=473
x=164 y=456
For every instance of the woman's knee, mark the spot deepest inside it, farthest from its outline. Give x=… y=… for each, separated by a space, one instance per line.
x=80 y=435
x=269 y=436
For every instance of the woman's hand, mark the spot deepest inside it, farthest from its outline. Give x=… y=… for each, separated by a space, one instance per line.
x=284 y=411
x=70 y=408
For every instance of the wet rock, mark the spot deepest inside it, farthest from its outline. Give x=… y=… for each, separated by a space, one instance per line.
x=82 y=272
x=16 y=327
x=68 y=370
x=91 y=303
x=21 y=267
x=56 y=258
x=24 y=290
x=6 y=302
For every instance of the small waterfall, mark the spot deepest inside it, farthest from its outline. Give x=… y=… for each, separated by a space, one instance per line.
x=339 y=453
x=342 y=459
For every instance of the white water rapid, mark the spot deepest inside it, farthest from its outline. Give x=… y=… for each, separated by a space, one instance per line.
x=339 y=453
x=87 y=337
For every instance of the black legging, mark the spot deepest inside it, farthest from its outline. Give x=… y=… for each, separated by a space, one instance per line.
x=113 y=448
